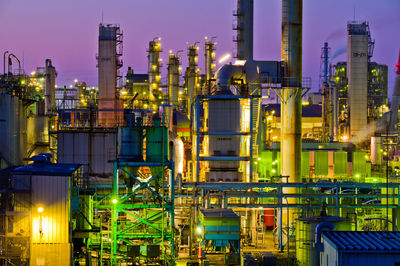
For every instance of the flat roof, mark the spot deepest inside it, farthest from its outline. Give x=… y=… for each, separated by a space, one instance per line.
x=47 y=169
x=365 y=241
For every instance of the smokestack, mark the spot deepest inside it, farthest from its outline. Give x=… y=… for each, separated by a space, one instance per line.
x=292 y=20
x=244 y=29
x=357 y=75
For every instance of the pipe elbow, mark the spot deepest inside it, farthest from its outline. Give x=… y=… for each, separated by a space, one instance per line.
x=320 y=228
x=225 y=74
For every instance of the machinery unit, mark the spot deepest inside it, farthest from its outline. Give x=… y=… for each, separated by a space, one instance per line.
x=47 y=198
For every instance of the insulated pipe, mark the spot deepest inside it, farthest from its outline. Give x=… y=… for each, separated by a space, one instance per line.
x=225 y=74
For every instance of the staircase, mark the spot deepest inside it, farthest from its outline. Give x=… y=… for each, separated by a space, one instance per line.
x=255 y=110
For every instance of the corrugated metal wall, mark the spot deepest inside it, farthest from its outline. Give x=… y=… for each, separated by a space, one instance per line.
x=93 y=150
x=52 y=194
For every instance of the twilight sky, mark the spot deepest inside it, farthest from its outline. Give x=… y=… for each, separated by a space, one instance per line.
x=67 y=31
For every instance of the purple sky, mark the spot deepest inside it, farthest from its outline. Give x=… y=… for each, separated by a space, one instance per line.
x=67 y=31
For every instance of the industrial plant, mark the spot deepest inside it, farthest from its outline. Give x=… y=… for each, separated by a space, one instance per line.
x=238 y=164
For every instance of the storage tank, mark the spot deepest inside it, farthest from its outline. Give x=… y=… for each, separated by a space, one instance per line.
x=156 y=145
x=308 y=237
x=13 y=130
x=130 y=143
x=156 y=142
x=224 y=116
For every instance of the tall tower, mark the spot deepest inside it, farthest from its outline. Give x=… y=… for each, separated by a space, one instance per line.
x=192 y=78
x=209 y=53
x=109 y=63
x=154 y=64
x=244 y=29
x=173 y=80
x=49 y=88
x=358 y=37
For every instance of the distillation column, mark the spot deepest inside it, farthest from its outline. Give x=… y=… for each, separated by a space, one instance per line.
x=244 y=29
x=50 y=87
x=192 y=78
x=173 y=80
x=291 y=50
x=108 y=63
x=154 y=64
x=209 y=53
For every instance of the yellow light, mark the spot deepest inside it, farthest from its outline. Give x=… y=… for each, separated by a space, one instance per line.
x=40 y=209
x=114 y=201
x=269 y=118
x=273 y=112
x=275 y=137
x=75 y=80
x=258 y=158
x=345 y=137
x=199 y=230
x=273 y=171
x=124 y=92
x=224 y=58
x=33 y=73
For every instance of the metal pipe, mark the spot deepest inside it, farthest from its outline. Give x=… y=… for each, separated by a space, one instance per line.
x=4 y=62
x=9 y=62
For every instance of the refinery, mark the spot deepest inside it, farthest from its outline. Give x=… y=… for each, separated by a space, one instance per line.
x=234 y=162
